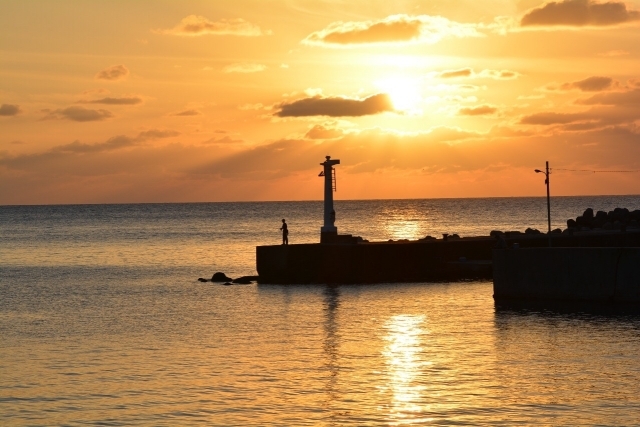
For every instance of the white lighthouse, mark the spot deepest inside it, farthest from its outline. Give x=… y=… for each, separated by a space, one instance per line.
x=328 y=231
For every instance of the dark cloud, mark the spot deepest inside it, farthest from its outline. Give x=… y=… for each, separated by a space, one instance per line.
x=628 y=98
x=324 y=132
x=579 y=13
x=392 y=29
x=113 y=73
x=481 y=110
x=187 y=113
x=9 y=110
x=133 y=100
x=590 y=84
x=195 y=25
x=336 y=106
x=79 y=114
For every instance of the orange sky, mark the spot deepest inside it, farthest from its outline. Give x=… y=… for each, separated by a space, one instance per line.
x=164 y=101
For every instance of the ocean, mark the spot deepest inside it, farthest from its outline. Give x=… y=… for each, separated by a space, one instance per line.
x=103 y=322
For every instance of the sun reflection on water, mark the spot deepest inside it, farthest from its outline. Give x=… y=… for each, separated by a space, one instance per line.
x=404 y=356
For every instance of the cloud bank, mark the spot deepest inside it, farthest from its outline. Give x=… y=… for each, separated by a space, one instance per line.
x=196 y=25
x=579 y=13
x=392 y=29
x=336 y=106
x=113 y=73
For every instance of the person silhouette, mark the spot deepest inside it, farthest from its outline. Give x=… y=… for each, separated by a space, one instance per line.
x=285 y=233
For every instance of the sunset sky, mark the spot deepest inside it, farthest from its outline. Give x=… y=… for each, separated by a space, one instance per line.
x=216 y=100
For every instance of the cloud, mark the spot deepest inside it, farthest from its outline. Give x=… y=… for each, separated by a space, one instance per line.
x=499 y=74
x=224 y=140
x=590 y=84
x=392 y=29
x=113 y=143
x=470 y=73
x=324 y=131
x=195 y=25
x=628 y=98
x=579 y=13
x=133 y=100
x=481 y=110
x=79 y=114
x=187 y=113
x=113 y=73
x=614 y=53
x=463 y=72
x=75 y=148
x=336 y=106
x=553 y=118
x=244 y=68
x=9 y=110
x=153 y=134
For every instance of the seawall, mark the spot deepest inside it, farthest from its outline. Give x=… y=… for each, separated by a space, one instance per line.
x=408 y=261
x=596 y=274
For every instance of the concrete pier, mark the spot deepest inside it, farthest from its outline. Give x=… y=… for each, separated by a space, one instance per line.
x=599 y=274
x=408 y=261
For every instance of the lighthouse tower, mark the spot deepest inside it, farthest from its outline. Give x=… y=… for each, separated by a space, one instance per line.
x=329 y=231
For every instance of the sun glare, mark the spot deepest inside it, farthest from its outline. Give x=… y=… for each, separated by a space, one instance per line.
x=404 y=91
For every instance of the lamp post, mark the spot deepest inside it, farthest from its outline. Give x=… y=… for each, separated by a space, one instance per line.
x=546 y=181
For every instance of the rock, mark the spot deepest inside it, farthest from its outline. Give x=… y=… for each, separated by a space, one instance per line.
x=601 y=216
x=588 y=213
x=200 y=279
x=617 y=225
x=556 y=231
x=494 y=233
x=571 y=223
x=607 y=226
x=582 y=221
x=220 y=277
x=531 y=231
x=634 y=224
x=245 y=280
x=454 y=236
x=226 y=284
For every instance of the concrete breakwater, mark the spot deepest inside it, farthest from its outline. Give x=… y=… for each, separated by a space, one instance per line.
x=597 y=274
x=412 y=261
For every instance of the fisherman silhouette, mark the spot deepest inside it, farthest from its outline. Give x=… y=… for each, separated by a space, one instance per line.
x=285 y=233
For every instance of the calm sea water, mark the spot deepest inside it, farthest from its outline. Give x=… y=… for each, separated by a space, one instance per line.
x=102 y=322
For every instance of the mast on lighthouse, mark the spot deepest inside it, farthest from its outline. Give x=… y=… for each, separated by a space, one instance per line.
x=329 y=231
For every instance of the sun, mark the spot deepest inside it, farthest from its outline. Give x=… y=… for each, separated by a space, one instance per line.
x=403 y=91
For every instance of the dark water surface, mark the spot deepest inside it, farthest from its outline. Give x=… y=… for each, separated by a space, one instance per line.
x=103 y=323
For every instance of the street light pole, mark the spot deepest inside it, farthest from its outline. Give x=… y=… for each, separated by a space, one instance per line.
x=548 y=199
x=546 y=181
